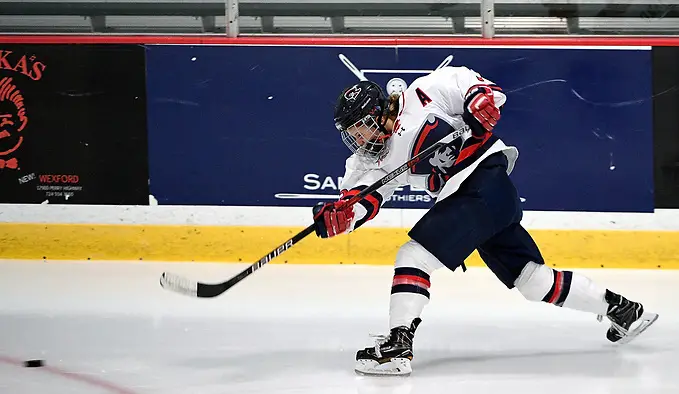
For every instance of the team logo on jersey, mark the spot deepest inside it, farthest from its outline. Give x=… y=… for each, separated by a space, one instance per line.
x=444 y=158
x=440 y=167
x=352 y=93
x=449 y=160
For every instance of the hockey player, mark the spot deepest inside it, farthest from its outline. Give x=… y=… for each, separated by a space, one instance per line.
x=477 y=206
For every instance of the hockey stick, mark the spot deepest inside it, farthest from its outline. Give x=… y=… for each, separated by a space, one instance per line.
x=188 y=287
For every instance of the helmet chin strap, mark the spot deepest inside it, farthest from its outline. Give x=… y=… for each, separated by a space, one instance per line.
x=384 y=117
x=382 y=127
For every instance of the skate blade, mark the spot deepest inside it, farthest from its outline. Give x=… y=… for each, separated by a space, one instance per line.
x=645 y=321
x=395 y=367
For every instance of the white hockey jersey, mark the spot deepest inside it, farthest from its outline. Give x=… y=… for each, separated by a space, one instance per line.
x=430 y=108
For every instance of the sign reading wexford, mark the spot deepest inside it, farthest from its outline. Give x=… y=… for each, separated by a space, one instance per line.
x=59 y=132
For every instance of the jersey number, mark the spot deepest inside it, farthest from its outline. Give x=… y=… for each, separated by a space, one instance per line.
x=424 y=99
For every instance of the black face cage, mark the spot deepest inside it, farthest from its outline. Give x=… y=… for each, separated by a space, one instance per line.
x=374 y=143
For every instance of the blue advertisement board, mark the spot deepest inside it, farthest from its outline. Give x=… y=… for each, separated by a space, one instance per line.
x=252 y=125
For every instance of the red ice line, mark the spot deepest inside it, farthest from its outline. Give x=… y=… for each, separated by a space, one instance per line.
x=71 y=375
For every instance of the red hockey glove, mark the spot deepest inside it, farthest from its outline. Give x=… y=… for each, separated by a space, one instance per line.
x=479 y=107
x=332 y=218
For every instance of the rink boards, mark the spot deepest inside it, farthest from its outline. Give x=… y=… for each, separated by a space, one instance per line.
x=233 y=138
x=245 y=234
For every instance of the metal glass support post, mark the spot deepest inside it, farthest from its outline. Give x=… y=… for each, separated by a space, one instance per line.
x=487 y=18
x=232 y=28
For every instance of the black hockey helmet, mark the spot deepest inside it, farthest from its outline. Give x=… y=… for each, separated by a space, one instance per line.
x=363 y=106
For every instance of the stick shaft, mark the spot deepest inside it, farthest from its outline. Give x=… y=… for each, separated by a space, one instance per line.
x=203 y=290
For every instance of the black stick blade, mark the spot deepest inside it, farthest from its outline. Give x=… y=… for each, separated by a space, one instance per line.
x=211 y=290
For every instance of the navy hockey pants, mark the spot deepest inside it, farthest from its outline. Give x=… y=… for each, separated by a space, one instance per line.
x=484 y=214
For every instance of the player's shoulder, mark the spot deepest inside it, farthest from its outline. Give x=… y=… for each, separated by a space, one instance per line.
x=437 y=84
x=441 y=75
x=433 y=87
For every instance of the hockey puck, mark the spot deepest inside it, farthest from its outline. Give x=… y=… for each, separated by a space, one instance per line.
x=34 y=363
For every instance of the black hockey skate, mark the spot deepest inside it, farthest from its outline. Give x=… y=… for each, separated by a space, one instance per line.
x=391 y=354
x=623 y=313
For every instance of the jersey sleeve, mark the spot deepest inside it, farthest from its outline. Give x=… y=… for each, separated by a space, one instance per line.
x=358 y=177
x=459 y=81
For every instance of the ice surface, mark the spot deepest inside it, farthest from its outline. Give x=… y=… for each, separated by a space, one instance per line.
x=108 y=327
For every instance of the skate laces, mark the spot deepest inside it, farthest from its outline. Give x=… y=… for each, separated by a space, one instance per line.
x=397 y=335
x=619 y=312
x=380 y=339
